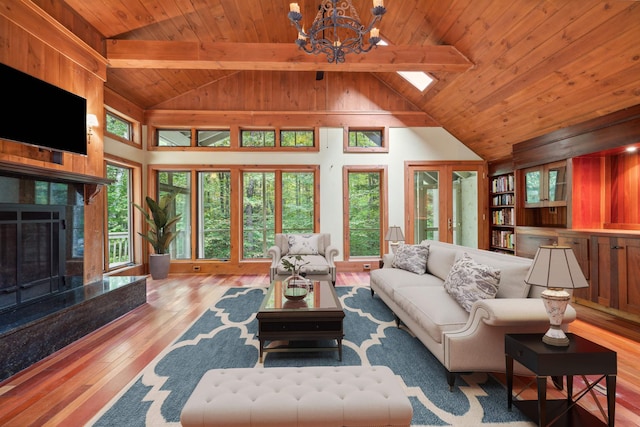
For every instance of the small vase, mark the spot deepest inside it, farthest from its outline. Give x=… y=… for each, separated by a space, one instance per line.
x=295 y=287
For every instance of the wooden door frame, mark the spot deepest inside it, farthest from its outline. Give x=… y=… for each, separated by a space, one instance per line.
x=445 y=168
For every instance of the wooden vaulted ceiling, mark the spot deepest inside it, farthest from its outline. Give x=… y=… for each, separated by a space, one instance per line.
x=505 y=71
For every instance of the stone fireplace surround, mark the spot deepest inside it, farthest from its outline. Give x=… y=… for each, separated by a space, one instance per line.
x=32 y=329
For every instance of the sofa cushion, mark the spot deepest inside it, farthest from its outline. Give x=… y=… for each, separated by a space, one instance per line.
x=513 y=270
x=315 y=265
x=431 y=307
x=412 y=258
x=441 y=258
x=387 y=280
x=303 y=244
x=469 y=281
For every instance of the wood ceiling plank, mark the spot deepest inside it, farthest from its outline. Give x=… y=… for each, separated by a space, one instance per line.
x=277 y=56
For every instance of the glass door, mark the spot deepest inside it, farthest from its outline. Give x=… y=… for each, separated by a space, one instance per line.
x=445 y=202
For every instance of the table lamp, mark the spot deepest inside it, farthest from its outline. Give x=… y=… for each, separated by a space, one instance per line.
x=556 y=268
x=394 y=235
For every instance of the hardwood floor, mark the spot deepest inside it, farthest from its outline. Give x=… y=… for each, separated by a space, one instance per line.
x=71 y=386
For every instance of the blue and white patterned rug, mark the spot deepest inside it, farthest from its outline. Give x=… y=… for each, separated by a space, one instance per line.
x=225 y=337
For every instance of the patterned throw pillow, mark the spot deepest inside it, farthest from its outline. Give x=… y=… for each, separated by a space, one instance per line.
x=469 y=281
x=303 y=244
x=412 y=258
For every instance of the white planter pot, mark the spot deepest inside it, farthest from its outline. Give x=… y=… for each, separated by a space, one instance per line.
x=159 y=265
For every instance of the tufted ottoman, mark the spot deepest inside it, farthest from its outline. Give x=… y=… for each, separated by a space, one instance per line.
x=322 y=396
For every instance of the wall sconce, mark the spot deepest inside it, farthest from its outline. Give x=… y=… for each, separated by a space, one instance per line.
x=92 y=121
x=394 y=235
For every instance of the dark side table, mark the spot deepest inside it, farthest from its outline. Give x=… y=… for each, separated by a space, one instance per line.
x=581 y=357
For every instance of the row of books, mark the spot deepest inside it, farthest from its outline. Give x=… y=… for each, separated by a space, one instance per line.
x=503 y=239
x=502 y=183
x=503 y=216
x=503 y=199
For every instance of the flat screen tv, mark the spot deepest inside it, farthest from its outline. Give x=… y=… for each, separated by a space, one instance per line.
x=42 y=114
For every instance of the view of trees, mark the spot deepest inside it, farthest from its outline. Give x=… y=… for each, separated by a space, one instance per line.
x=364 y=214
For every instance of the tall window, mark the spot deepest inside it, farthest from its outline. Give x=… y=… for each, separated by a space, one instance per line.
x=118 y=216
x=297 y=202
x=258 y=213
x=363 y=203
x=214 y=215
x=180 y=184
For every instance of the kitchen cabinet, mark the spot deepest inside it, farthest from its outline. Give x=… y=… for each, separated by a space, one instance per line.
x=546 y=185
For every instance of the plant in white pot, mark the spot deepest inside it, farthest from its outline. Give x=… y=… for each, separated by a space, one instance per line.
x=160 y=233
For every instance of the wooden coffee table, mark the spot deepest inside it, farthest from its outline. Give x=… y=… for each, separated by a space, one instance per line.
x=317 y=317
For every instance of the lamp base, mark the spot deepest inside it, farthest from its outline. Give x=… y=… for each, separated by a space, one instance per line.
x=394 y=247
x=555 y=301
x=556 y=337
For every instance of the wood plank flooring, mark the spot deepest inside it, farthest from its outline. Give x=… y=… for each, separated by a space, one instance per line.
x=71 y=386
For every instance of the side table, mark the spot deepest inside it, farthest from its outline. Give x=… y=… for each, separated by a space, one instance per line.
x=581 y=357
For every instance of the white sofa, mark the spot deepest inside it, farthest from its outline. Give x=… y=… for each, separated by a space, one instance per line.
x=463 y=341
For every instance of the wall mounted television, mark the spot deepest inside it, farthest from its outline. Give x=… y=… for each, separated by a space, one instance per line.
x=42 y=114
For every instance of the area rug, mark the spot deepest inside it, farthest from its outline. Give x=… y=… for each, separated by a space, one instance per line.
x=225 y=337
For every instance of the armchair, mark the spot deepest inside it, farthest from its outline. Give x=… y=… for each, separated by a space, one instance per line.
x=316 y=249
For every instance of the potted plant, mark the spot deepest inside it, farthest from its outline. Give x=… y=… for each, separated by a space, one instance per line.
x=160 y=234
x=295 y=286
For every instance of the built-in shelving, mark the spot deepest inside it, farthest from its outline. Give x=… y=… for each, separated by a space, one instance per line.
x=502 y=211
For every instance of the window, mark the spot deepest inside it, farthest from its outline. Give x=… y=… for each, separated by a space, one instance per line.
x=214 y=138
x=257 y=138
x=214 y=215
x=365 y=140
x=363 y=204
x=296 y=138
x=297 y=202
x=258 y=213
x=118 y=126
x=180 y=184
x=118 y=216
x=174 y=138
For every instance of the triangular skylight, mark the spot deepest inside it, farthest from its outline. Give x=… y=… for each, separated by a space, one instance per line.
x=419 y=79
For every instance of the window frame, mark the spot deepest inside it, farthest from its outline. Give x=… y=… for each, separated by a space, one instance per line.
x=134 y=128
x=135 y=217
x=383 y=171
x=384 y=144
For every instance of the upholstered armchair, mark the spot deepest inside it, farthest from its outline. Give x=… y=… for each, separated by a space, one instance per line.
x=315 y=249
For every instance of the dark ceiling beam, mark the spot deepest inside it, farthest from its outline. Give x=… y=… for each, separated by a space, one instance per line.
x=278 y=57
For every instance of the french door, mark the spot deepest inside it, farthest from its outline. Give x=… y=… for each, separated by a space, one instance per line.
x=446 y=202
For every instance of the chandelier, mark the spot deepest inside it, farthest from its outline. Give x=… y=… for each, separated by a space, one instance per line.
x=337 y=30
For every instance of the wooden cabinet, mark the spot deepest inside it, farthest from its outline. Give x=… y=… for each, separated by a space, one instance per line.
x=580 y=243
x=528 y=239
x=502 y=211
x=546 y=185
x=615 y=272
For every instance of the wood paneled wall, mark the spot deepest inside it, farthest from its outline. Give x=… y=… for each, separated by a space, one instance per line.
x=287 y=91
x=37 y=44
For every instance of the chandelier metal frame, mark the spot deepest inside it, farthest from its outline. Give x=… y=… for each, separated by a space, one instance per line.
x=337 y=30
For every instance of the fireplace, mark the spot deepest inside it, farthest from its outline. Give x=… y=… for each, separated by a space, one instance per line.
x=41 y=230
x=44 y=302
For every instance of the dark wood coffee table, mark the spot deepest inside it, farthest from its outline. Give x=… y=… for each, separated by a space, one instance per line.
x=317 y=317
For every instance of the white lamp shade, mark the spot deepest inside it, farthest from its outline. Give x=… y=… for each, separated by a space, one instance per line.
x=394 y=234
x=92 y=120
x=556 y=267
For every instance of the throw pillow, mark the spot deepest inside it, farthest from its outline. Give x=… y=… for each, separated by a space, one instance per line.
x=468 y=281
x=412 y=258
x=303 y=244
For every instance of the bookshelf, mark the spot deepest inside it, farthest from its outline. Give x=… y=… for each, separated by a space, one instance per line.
x=502 y=211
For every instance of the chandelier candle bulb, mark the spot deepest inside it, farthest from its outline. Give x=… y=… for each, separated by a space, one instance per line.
x=377 y=3
x=294 y=7
x=375 y=33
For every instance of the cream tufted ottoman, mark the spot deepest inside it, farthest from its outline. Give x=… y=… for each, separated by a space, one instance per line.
x=322 y=396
